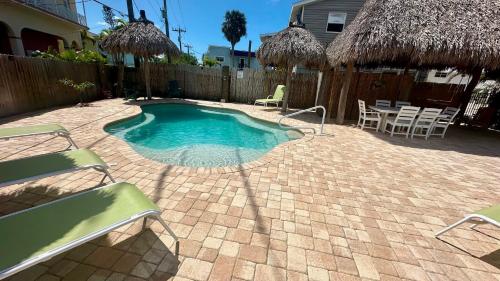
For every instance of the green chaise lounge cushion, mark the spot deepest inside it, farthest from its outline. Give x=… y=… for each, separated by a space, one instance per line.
x=277 y=97
x=31 y=130
x=30 y=168
x=53 y=227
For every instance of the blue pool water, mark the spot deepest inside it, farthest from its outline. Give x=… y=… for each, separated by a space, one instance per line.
x=196 y=136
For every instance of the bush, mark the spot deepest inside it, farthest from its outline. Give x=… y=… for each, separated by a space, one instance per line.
x=86 y=56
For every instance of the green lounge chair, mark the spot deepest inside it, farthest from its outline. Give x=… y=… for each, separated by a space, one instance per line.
x=487 y=215
x=274 y=99
x=45 y=129
x=34 y=235
x=46 y=165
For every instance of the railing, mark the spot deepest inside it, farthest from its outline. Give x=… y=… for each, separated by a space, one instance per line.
x=58 y=8
x=312 y=109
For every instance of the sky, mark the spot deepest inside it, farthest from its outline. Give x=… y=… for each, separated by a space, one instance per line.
x=201 y=18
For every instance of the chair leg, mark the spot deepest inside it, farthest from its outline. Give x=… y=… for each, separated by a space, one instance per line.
x=453 y=226
x=378 y=125
x=393 y=128
x=412 y=132
x=363 y=125
x=444 y=132
x=167 y=228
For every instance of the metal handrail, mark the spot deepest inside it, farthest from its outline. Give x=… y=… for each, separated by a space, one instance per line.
x=312 y=109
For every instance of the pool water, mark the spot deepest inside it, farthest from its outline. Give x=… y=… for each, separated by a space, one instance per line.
x=197 y=136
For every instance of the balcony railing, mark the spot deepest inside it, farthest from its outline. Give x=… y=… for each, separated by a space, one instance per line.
x=58 y=8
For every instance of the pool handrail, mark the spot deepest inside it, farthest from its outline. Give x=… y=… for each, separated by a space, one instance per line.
x=312 y=109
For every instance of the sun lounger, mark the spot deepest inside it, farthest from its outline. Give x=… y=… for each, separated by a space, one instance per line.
x=487 y=215
x=46 y=129
x=274 y=99
x=46 y=165
x=34 y=235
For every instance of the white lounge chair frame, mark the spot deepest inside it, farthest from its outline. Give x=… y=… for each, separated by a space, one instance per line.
x=368 y=115
x=400 y=104
x=444 y=123
x=50 y=254
x=58 y=133
x=100 y=168
x=425 y=122
x=383 y=103
x=476 y=219
x=404 y=120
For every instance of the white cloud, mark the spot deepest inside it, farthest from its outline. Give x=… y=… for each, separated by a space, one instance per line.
x=103 y=23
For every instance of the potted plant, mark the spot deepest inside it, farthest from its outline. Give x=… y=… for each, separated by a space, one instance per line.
x=80 y=88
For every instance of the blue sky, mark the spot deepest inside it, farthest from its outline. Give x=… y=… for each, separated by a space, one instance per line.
x=202 y=18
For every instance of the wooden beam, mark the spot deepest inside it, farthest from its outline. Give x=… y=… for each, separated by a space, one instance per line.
x=287 y=88
x=146 y=77
x=344 y=92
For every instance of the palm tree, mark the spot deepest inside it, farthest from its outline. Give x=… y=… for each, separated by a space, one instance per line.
x=234 y=27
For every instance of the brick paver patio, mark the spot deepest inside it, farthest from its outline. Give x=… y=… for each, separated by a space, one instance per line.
x=350 y=205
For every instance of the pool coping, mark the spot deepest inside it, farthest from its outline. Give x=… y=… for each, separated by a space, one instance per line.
x=275 y=154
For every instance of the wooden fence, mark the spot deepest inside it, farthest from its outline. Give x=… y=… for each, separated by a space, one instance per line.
x=257 y=84
x=370 y=86
x=206 y=83
x=28 y=84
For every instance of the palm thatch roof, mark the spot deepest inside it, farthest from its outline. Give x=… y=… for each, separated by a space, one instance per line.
x=291 y=46
x=428 y=33
x=140 y=38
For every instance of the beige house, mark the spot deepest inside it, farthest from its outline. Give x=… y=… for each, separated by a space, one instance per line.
x=29 y=25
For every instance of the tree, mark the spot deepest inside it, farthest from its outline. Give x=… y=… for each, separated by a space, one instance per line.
x=208 y=61
x=109 y=16
x=234 y=27
x=186 y=59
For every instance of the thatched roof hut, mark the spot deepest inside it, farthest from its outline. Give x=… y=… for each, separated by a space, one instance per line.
x=292 y=46
x=140 y=38
x=422 y=33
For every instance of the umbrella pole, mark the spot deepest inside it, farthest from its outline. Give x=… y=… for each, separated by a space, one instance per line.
x=289 y=70
x=146 y=77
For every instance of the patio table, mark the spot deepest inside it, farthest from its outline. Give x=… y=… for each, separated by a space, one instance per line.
x=385 y=111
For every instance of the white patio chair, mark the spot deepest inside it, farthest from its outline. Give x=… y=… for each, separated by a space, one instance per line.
x=368 y=115
x=400 y=104
x=401 y=124
x=383 y=103
x=425 y=122
x=442 y=123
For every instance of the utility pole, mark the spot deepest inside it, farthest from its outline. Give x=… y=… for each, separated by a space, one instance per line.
x=249 y=53
x=130 y=10
x=179 y=37
x=189 y=47
x=131 y=18
x=165 y=17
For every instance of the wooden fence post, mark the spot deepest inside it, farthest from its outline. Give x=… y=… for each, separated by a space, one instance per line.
x=226 y=78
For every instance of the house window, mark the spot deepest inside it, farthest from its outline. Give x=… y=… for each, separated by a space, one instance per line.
x=441 y=74
x=336 y=22
x=219 y=59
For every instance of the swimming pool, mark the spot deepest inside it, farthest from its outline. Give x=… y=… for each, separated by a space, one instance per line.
x=198 y=136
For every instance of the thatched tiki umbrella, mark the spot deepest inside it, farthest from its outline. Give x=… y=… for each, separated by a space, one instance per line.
x=292 y=46
x=421 y=34
x=140 y=38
